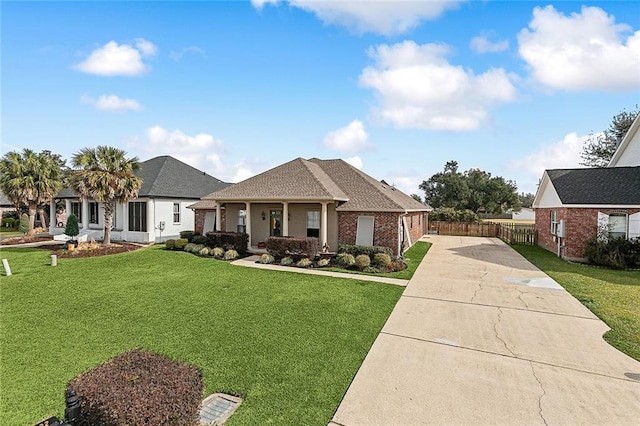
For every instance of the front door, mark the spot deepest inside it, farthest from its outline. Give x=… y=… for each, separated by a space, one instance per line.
x=275 y=223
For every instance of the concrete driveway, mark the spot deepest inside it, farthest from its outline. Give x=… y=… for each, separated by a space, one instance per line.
x=481 y=336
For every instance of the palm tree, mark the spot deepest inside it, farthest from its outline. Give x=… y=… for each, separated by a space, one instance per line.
x=31 y=179
x=107 y=176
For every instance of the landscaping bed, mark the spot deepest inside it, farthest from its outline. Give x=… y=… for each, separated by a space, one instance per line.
x=93 y=249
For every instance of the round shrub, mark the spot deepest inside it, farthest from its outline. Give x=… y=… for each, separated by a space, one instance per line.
x=189 y=247
x=196 y=248
x=362 y=261
x=286 y=261
x=199 y=239
x=396 y=265
x=218 y=252
x=169 y=244
x=381 y=260
x=230 y=255
x=266 y=258
x=305 y=262
x=180 y=243
x=345 y=260
x=323 y=262
x=204 y=251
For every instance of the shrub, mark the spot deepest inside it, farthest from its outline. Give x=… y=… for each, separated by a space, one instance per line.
x=381 y=260
x=7 y=222
x=230 y=254
x=189 y=247
x=237 y=241
x=345 y=260
x=204 y=251
x=356 y=250
x=266 y=258
x=218 y=252
x=199 y=239
x=323 y=262
x=616 y=253
x=362 y=261
x=189 y=235
x=280 y=247
x=305 y=262
x=23 y=225
x=396 y=265
x=138 y=388
x=448 y=214
x=286 y=261
x=169 y=244
x=72 y=229
x=180 y=244
x=196 y=248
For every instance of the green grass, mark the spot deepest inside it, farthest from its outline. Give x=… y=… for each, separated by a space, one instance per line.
x=413 y=257
x=288 y=343
x=614 y=296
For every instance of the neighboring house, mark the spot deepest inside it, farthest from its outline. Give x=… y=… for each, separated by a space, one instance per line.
x=328 y=199
x=628 y=152
x=524 y=214
x=160 y=212
x=5 y=205
x=584 y=201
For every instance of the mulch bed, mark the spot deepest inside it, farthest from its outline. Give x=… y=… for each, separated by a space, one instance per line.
x=24 y=240
x=114 y=248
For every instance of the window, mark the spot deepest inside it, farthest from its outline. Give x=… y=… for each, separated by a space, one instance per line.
x=411 y=222
x=618 y=225
x=554 y=222
x=93 y=213
x=364 y=231
x=242 y=221
x=176 y=212
x=313 y=223
x=76 y=210
x=138 y=216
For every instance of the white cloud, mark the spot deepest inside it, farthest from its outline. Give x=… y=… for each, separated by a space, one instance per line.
x=482 y=44
x=351 y=138
x=118 y=59
x=112 y=103
x=355 y=162
x=176 y=56
x=583 y=51
x=202 y=151
x=407 y=181
x=418 y=88
x=557 y=155
x=386 y=17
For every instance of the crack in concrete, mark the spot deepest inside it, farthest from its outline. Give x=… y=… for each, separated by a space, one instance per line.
x=544 y=392
x=475 y=293
x=495 y=330
x=521 y=293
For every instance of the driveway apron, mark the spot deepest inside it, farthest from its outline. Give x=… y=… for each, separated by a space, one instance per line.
x=481 y=336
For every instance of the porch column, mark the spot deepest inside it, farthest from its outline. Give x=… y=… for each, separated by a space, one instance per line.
x=53 y=223
x=323 y=225
x=125 y=217
x=85 y=214
x=285 y=219
x=67 y=207
x=218 y=216
x=151 y=220
x=248 y=220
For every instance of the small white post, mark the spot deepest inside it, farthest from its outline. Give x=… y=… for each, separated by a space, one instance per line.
x=54 y=260
x=7 y=269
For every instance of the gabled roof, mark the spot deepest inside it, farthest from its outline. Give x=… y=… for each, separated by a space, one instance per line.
x=4 y=201
x=627 y=154
x=167 y=177
x=319 y=180
x=601 y=186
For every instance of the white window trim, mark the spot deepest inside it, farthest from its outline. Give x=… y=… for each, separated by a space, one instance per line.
x=179 y=213
x=554 y=222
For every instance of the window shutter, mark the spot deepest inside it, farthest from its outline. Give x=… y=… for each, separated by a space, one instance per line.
x=603 y=226
x=634 y=225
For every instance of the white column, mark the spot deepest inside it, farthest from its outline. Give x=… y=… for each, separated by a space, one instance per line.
x=323 y=225
x=151 y=220
x=85 y=214
x=52 y=214
x=67 y=207
x=285 y=219
x=248 y=220
x=218 y=216
x=125 y=217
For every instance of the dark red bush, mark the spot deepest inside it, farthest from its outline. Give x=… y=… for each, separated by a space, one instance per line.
x=296 y=247
x=139 y=388
x=237 y=241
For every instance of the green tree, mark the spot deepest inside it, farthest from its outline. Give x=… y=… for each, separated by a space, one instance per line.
x=475 y=190
x=72 y=229
x=31 y=180
x=107 y=176
x=526 y=199
x=24 y=223
x=598 y=148
x=416 y=197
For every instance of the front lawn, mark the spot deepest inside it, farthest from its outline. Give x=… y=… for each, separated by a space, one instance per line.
x=288 y=343
x=614 y=296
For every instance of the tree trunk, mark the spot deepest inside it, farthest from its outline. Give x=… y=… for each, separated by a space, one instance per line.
x=32 y=221
x=43 y=219
x=109 y=207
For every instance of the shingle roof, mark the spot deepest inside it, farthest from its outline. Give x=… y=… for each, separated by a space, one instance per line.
x=167 y=177
x=319 y=180
x=611 y=185
x=4 y=201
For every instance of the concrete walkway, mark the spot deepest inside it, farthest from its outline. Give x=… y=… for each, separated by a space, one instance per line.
x=481 y=336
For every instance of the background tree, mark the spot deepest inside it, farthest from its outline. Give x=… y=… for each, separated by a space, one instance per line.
x=598 y=149
x=31 y=180
x=475 y=190
x=416 y=197
x=526 y=199
x=107 y=176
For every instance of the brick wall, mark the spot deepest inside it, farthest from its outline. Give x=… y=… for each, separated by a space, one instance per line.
x=200 y=215
x=385 y=228
x=416 y=225
x=581 y=224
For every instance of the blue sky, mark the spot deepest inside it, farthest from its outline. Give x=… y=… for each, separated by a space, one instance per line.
x=396 y=88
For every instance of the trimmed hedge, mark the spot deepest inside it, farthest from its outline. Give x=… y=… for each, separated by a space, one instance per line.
x=189 y=235
x=280 y=247
x=169 y=244
x=371 y=251
x=616 y=253
x=229 y=241
x=180 y=244
x=139 y=388
x=362 y=261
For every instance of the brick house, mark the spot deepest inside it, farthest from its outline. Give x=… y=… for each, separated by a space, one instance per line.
x=327 y=199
